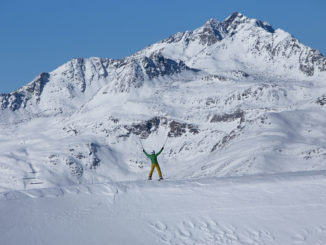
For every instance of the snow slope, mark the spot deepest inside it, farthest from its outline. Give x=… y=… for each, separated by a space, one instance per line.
x=274 y=209
x=234 y=98
x=242 y=107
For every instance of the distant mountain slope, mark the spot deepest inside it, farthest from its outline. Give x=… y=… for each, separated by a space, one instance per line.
x=234 y=98
x=239 y=39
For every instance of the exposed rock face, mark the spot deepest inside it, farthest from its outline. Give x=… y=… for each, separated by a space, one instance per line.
x=321 y=100
x=211 y=32
x=177 y=129
x=20 y=98
x=36 y=87
x=229 y=117
x=79 y=158
x=309 y=59
x=136 y=70
x=157 y=65
x=225 y=140
x=232 y=23
x=145 y=128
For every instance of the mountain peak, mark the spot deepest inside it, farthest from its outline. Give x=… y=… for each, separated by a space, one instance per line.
x=210 y=32
x=235 y=19
x=235 y=16
x=212 y=23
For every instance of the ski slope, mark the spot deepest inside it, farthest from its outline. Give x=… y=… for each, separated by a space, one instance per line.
x=263 y=209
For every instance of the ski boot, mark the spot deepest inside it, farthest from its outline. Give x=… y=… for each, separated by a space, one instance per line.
x=149 y=178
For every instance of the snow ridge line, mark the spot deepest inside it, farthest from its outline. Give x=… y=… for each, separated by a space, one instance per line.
x=104 y=189
x=114 y=188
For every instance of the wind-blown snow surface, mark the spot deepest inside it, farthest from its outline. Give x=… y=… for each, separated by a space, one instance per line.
x=235 y=98
x=286 y=209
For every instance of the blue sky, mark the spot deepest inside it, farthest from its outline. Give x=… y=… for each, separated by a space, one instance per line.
x=38 y=36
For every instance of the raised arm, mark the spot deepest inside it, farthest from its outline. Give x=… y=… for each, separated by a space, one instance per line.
x=145 y=153
x=160 y=151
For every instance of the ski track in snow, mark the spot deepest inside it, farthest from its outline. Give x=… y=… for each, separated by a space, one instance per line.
x=271 y=209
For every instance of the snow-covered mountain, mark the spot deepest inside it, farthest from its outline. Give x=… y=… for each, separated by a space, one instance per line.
x=234 y=98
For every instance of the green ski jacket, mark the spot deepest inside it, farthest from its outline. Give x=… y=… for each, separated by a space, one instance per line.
x=153 y=157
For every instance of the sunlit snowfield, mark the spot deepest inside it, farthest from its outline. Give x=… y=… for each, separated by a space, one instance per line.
x=276 y=209
x=242 y=107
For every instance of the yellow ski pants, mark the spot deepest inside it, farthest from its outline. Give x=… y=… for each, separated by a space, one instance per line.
x=155 y=165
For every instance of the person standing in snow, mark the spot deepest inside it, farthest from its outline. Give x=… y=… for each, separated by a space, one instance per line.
x=153 y=158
